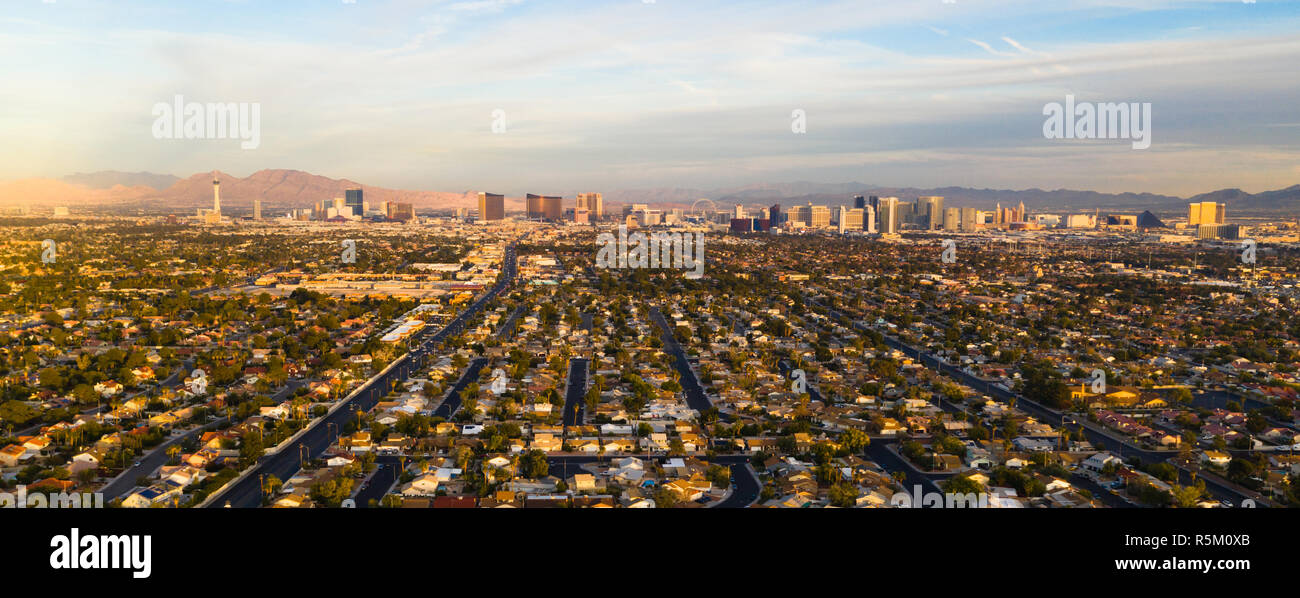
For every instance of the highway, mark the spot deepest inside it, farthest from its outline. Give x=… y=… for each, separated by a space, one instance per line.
x=247 y=493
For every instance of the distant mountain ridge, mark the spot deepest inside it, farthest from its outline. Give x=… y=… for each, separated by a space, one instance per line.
x=276 y=188
x=107 y=179
x=284 y=188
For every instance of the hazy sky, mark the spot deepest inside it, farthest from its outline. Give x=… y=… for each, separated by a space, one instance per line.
x=669 y=93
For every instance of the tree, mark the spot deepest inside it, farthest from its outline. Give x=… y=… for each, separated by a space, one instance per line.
x=533 y=465
x=854 y=441
x=844 y=495
x=962 y=484
x=1187 y=497
x=273 y=485
x=665 y=498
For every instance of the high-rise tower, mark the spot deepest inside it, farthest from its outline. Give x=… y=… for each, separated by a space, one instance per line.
x=216 y=197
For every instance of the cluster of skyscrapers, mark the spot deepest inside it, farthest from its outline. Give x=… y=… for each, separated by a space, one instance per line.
x=587 y=208
x=886 y=216
x=353 y=206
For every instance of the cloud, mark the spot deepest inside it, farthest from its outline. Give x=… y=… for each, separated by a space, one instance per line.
x=615 y=93
x=989 y=48
x=1017 y=45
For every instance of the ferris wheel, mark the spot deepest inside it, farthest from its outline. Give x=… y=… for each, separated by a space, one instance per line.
x=695 y=207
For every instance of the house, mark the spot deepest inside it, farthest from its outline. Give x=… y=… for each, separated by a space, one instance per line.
x=296 y=500
x=546 y=443
x=360 y=442
x=39 y=445
x=148 y=497
x=1217 y=458
x=423 y=485
x=1033 y=445
x=583 y=482
x=657 y=441
x=340 y=460
x=83 y=461
x=274 y=412
x=12 y=455
x=108 y=388
x=1096 y=463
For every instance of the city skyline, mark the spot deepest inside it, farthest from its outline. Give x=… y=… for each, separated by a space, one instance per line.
x=665 y=95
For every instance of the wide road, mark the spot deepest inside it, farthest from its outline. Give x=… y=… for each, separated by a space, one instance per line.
x=146 y=465
x=247 y=493
x=575 y=408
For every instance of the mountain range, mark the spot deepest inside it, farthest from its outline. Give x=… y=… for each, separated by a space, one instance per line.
x=279 y=188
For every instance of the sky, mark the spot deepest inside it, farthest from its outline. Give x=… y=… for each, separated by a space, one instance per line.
x=557 y=96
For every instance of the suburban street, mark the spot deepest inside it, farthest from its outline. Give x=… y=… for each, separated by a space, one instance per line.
x=575 y=409
x=691 y=388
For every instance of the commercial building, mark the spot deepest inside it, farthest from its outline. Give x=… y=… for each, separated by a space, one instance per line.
x=552 y=207
x=951 y=219
x=851 y=219
x=1227 y=232
x=930 y=212
x=1081 y=221
x=1206 y=212
x=400 y=211
x=594 y=203
x=533 y=206
x=354 y=201
x=491 y=206
x=799 y=216
x=970 y=219
x=889 y=219
x=819 y=216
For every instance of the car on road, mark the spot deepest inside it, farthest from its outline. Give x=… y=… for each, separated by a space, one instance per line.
x=137 y=464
